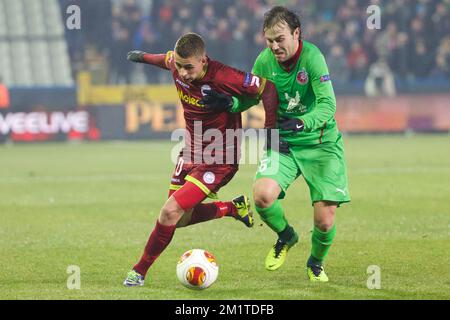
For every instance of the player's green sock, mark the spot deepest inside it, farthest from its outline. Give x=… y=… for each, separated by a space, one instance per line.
x=321 y=243
x=273 y=216
x=288 y=235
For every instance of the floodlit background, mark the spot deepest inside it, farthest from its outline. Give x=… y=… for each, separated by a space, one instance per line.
x=89 y=196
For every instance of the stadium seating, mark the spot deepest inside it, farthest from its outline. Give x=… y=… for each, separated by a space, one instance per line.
x=33 y=30
x=5 y=73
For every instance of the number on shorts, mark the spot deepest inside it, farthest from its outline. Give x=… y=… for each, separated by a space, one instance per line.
x=179 y=167
x=263 y=165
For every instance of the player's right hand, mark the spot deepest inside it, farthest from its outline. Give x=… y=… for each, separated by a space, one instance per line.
x=216 y=101
x=136 y=56
x=291 y=124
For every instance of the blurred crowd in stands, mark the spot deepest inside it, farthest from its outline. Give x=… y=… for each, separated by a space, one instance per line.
x=412 y=43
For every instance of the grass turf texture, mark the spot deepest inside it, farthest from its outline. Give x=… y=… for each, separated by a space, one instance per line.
x=93 y=205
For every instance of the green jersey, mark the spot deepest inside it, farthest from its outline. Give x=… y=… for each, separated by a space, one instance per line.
x=305 y=93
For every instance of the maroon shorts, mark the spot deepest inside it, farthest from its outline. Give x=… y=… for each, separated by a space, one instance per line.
x=209 y=178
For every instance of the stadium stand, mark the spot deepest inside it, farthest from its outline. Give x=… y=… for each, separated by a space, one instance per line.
x=33 y=50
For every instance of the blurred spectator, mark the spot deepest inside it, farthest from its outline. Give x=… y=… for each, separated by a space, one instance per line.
x=357 y=62
x=122 y=42
x=417 y=29
x=401 y=55
x=243 y=57
x=442 y=68
x=424 y=59
x=208 y=22
x=380 y=80
x=387 y=41
x=441 y=18
x=337 y=64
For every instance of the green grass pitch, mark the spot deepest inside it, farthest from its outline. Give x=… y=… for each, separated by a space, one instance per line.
x=93 y=206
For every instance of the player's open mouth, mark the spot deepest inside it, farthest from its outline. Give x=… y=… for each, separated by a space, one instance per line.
x=278 y=53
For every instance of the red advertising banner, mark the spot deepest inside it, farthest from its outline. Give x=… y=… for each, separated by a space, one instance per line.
x=47 y=126
x=398 y=114
x=4 y=97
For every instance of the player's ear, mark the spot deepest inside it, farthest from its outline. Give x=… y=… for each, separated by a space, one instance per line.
x=203 y=59
x=296 y=33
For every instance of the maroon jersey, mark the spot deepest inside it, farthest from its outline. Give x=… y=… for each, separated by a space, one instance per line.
x=207 y=138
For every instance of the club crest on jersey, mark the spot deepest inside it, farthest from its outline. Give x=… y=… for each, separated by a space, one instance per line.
x=209 y=177
x=205 y=88
x=302 y=77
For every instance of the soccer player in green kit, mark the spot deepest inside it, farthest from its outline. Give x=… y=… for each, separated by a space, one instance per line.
x=310 y=142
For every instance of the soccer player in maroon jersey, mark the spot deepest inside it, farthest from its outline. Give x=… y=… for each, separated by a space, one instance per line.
x=196 y=177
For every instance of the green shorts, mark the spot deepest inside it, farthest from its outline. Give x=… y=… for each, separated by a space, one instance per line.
x=322 y=166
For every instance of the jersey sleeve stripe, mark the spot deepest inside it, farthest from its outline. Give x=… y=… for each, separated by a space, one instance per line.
x=174 y=187
x=169 y=55
x=262 y=87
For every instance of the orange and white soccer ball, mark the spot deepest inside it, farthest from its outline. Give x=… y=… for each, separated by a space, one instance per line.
x=197 y=269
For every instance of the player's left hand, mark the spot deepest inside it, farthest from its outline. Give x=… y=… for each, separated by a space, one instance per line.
x=214 y=100
x=136 y=56
x=293 y=124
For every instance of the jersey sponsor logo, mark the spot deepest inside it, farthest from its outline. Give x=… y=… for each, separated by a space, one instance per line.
x=205 y=88
x=302 y=77
x=251 y=81
x=181 y=83
x=189 y=99
x=209 y=177
x=294 y=104
x=325 y=78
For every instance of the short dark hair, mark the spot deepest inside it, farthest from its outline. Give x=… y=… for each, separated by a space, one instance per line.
x=190 y=44
x=280 y=14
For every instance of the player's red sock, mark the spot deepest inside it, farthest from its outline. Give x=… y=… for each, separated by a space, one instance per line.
x=209 y=211
x=158 y=241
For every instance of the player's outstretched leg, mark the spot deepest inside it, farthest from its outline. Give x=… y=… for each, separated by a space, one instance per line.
x=239 y=208
x=244 y=211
